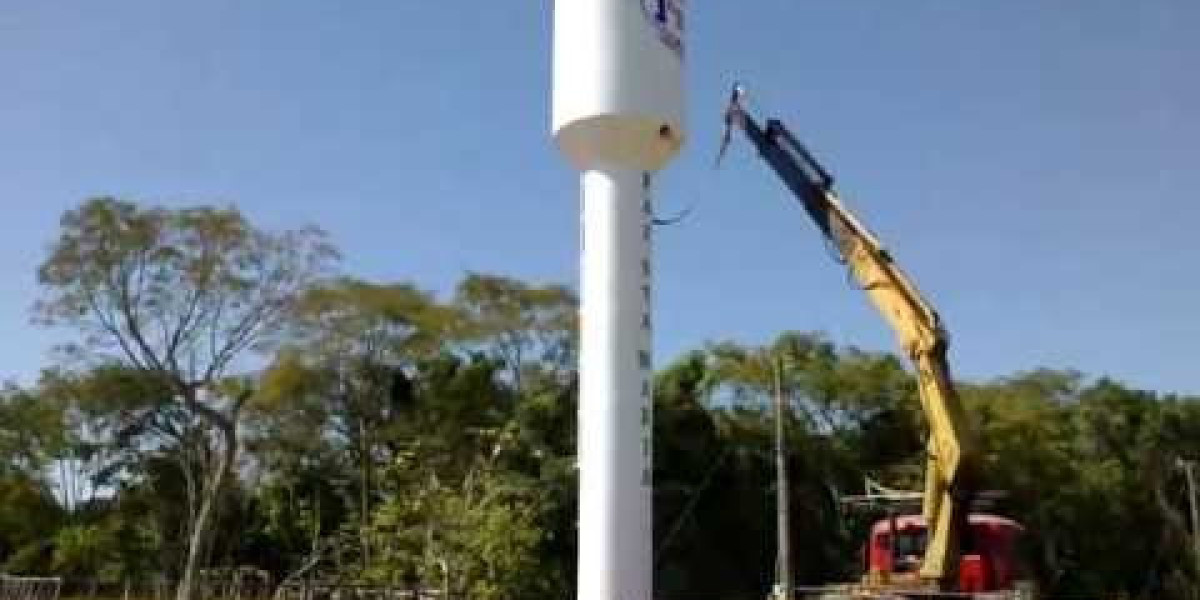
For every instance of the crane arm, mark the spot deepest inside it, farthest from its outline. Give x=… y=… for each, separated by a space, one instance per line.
x=949 y=469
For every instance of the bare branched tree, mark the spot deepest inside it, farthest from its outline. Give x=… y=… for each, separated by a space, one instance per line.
x=185 y=294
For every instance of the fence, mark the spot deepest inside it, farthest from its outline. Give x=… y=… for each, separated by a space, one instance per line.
x=54 y=588
x=161 y=589
x=330 y=591
x=29 y=588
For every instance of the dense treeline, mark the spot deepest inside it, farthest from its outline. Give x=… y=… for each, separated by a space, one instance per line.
x=230 y=402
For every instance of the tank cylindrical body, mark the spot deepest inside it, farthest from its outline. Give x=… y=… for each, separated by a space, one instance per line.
x=618 y=81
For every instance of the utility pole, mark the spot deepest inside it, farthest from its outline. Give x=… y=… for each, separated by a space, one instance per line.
x=783 y=559
x=1189 y=472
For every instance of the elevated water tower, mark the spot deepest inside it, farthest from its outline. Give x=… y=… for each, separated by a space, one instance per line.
x=618 y=118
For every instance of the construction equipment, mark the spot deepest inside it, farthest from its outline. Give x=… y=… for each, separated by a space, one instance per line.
x=957 y=553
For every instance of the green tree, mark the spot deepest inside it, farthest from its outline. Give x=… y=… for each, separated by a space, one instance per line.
x=475 y=536
x=31 y=438
x=34 y=431
x=358 y=342
x=184 y=294
x=523 y=326
x=27 y=512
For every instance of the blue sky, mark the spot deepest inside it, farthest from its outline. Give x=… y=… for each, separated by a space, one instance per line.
x=1032 y=164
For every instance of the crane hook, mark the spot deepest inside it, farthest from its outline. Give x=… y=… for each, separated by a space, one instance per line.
x=732 y=111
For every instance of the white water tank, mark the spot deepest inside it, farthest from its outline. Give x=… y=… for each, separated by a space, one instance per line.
x=618 y=81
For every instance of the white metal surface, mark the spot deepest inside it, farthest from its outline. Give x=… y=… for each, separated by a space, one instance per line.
x=615 y=532
x=617 y=116
x=618 y=81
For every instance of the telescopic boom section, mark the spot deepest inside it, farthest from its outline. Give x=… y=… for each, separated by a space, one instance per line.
x=949 y=470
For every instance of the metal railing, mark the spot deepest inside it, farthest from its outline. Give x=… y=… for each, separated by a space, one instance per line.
x=30 y=588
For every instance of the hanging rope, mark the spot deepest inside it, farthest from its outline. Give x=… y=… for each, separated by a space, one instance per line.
x=658 y=221
x=675 y=220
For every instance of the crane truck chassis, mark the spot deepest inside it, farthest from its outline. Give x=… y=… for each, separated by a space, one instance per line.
x=944 y=552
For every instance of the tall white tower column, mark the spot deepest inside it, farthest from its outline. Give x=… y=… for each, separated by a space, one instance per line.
x=618 y=117
x=615 y=457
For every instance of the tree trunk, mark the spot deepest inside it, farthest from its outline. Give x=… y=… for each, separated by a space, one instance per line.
x=364 y=493
x=204 y=518
x=189 y=458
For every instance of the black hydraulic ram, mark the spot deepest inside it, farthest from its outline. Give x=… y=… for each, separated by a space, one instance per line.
x=794 y=164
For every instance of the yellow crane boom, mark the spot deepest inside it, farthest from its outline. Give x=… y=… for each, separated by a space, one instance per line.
x=950 y=467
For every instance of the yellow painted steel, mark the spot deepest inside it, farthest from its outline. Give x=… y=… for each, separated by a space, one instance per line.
x=949 y=472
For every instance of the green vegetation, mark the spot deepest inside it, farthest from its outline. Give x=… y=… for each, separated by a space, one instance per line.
x=229 y=403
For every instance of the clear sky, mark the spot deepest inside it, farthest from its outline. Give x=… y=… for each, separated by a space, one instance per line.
x=1032 y=164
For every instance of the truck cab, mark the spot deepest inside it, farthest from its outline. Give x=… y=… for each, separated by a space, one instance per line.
x=989 y=561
